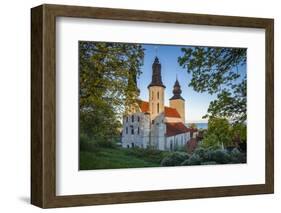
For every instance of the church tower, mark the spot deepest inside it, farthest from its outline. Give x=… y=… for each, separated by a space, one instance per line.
x=177 y=101
x=156 y=90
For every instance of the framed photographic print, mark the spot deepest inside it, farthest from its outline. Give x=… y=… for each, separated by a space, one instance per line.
x=137 y=106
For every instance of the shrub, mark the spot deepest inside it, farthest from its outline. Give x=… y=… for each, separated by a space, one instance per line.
x=211 y=156
x=204 y=153
x=235 y=151
x=210 y=140
x=200 y=151
x=237 y=156
x=185 y=163
x=85 y=144
x=220 y=156
x=149 y=154
x=174 y=159
x=193 y=160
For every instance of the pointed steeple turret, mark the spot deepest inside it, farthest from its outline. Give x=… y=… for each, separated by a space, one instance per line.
x=156 y=74
x=177 y=101
x=177 y=91
x=156 y=91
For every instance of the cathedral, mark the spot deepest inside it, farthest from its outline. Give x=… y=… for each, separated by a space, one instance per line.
x=151 y=124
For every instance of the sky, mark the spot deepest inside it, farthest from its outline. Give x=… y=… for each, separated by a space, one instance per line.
x=196 y=104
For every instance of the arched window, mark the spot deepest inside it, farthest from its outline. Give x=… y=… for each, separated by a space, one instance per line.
x=151 y=95
x=157 y=107
x=138 y=118
x=126 y=130
x=132 y=131
x=138 y=130
x=133 y=118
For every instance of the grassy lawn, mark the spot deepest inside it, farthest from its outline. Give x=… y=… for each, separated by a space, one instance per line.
x=110 y=158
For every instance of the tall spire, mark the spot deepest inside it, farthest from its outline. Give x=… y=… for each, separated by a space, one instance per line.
x=156 y=74
x=177 y=91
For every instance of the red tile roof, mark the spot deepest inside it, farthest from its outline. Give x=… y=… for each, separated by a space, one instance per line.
x=144 y=106
x=171 y=112
x=175 y=129
x=168 y=111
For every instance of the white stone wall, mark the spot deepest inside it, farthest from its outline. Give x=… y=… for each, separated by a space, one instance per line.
x=136 y=128
x=176 y=142
x=158 y=130
x=146 y=134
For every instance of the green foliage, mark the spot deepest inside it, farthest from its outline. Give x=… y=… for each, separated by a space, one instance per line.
x=220 y=156
x=239 y=132
x=209 y=156
x=86 y=145
x=221 y=128
x=237 y=156
x=107 y=158
x=107 y=73
x=203 y=153
x=221 y=132
x=149 y=154
x=210 y=141
x=216 y=71
x=218 y=133
x=195 y=159
x=174 y=159
x=92 y=145
x=110 y=158
x=231 y=105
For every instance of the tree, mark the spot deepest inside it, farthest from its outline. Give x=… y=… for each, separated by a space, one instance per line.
x=218 y=133
x=218 y=71
x=107 y=73
x=221 y=132
x=239 y=133
x=211 y=141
